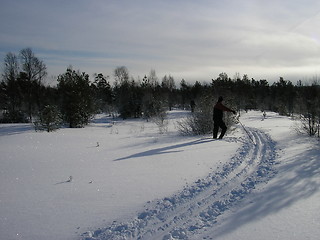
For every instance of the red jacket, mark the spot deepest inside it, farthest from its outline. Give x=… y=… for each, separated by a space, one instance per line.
x=218 y=110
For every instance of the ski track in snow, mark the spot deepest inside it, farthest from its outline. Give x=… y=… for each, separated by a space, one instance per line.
x=197 y=207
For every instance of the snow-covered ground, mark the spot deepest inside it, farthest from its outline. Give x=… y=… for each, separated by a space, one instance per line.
x=131 y=182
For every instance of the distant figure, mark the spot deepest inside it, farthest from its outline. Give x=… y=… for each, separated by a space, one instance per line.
x=218 y=110
x=264 y=114
x=192 y=105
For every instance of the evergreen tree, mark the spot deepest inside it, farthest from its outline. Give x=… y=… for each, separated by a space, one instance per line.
x=185 y=93
x=102 y=92
x=128 y=94
x=76 y=98
x=168 y=89
x=283 y=95
x=50 y=119
x=152 y=104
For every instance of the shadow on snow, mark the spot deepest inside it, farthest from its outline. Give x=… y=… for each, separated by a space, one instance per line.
x=296 y=182
x=173 y=148
x=13 y=129
x=165 y=150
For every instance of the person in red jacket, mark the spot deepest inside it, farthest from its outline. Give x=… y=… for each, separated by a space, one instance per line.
x=218 y=110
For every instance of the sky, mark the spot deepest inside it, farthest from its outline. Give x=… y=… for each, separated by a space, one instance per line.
x=187 y=39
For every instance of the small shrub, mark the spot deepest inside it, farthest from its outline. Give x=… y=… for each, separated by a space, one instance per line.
x=49 y=119
x=161 y=121
x=309 y=124
x=198 y=123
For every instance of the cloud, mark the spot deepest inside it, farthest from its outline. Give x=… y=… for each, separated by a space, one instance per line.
x=183 y=38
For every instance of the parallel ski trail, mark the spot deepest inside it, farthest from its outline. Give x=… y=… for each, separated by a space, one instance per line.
x=197 y=207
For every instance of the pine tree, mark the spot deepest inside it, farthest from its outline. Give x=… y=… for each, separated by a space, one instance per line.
x=76 y=98
x=50 y=119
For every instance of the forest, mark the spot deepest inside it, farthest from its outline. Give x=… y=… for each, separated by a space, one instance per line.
x=76 y=98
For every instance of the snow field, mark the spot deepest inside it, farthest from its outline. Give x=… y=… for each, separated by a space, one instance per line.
x=130 y=182
x=287 y=206
x=195 y=209
x=133 y=164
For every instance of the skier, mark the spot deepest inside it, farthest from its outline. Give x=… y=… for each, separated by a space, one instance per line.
x=218 y=110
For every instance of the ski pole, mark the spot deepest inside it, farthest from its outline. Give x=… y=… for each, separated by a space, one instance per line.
x=246 y=131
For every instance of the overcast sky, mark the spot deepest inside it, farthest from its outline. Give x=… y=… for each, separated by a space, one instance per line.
x=188 y=39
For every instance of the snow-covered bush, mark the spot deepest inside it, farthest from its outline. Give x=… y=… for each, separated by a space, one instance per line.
x=161 y=121
x=200 y=121
x=196 y=124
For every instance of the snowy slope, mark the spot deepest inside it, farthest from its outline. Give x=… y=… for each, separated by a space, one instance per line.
x=130 y=182
x=288 y=206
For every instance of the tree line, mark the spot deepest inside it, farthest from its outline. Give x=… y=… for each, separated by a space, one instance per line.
x=76 y=98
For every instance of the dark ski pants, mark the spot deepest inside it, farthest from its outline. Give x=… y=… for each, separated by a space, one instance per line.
x=219 y=124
